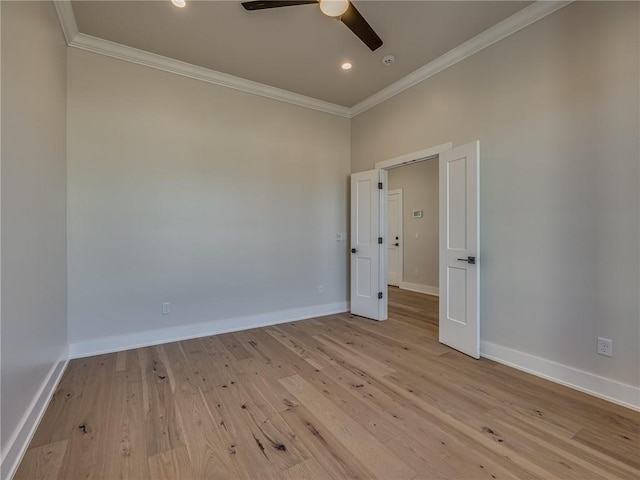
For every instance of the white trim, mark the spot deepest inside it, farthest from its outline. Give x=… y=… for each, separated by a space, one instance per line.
x=67 y=19
x=141 y=57
x=605 y=388
x=383 y=303
x=148 y=338
x=510 y=25
x=17 y=445
x=396 y=191
x=417 y=287
x=148 y=59
x=413 y=157
x=514 y=23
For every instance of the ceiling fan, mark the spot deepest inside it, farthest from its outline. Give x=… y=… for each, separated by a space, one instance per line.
x=342 y=9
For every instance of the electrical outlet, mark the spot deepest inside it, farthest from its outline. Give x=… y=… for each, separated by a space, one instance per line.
x=605 y=346
x=320 y=289
x=416 y=273
x=166 y=308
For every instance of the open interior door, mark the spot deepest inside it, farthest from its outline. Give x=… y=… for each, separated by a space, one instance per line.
x=368 y=248
x=459 y=247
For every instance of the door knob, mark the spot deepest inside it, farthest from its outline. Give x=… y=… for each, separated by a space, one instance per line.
x=397 y=244
x=469 y=260
x=353 y=250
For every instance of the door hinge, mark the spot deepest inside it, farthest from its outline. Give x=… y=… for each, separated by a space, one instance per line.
x=379 y=185
x=379 y=294
x=379 y=240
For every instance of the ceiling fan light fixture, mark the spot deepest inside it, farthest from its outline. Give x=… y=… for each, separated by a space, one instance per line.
x=334 y=8
x=179 y=3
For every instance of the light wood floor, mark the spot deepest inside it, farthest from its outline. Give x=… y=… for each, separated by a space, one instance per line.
x=333 y=397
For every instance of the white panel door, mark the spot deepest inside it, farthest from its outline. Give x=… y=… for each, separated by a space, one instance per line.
x=459 y=247
x=394 y=237
x=367 y=255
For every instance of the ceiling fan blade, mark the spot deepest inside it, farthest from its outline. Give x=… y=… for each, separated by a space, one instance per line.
x=264 y=4
x=358 y=25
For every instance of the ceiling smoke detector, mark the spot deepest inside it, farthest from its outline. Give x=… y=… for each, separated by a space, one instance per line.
x=388 y=60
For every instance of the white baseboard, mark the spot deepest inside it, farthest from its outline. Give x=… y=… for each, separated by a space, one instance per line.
x=416 y=287
x=605 y=388
x=148 y=338
x=17 y=445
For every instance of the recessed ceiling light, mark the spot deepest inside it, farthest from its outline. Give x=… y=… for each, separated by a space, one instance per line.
x=346 y=66
x=179 y=3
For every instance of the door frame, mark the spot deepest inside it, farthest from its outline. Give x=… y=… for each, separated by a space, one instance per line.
x=386 y=165
x=398 y=191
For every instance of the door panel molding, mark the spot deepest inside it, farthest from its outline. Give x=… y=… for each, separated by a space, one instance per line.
x=459 y=247
x=368 y=256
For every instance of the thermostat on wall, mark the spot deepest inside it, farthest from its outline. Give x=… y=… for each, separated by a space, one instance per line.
x=417 y=214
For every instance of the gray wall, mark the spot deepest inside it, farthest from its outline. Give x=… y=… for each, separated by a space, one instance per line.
x=33 y=212
x=223 y=203
x=419 y=184
x=555 y=107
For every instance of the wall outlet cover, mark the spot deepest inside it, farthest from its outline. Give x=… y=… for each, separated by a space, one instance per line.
x=605 y=346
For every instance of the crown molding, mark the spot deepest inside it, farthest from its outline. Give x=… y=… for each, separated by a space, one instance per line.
x=141 y=57
x=510 y=25
x=514 y=23
x=67 y=19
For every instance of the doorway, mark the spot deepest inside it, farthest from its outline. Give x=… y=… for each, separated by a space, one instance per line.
x=458 y=216
x=417 y=230
x=412 y=225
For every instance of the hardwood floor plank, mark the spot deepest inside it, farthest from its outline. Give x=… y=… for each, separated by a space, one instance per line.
x=301 y=344
x=281 y=362
x=326 y=448
x=575 y=451
x=360 y=443
x=473 y=434
x=439 y=456
x=171 y=465
x=411 y=422
x=275 y=395
x=85 y=454
x=346 y=354
x=57 y=424
x=618 y=443
x=125 y=448
x=308 y=470
x=163 y=431
x=584 y=408
x=121 y=361
x=42 y=462
x=203 y=435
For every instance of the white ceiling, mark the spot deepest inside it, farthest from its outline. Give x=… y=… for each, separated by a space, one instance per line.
x=295 y=48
